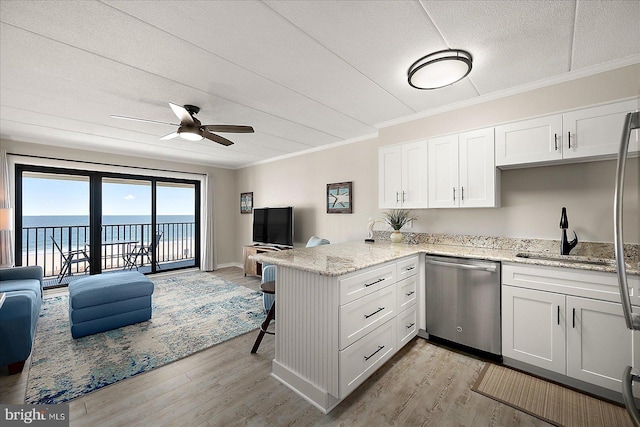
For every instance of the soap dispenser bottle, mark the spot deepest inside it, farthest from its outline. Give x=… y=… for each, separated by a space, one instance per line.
x=565 y=245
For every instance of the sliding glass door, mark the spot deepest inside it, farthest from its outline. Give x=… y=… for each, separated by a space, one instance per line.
x=74 y=222
x=176 y=222
x=55 y=223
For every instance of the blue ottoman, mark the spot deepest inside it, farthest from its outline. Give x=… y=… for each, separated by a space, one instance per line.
x=108 y=301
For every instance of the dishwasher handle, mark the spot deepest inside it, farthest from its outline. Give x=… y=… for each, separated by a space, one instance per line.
x=490 y=268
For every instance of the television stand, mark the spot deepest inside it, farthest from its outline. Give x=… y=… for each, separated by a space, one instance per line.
x=251 y=267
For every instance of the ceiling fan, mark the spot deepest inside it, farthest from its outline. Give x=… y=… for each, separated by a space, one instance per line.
x=191 y=129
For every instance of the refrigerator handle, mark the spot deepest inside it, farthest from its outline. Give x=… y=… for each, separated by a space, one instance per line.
x=631 y=122
x=627 y=394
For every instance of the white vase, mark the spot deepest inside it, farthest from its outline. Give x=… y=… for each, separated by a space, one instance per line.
x=396 y=236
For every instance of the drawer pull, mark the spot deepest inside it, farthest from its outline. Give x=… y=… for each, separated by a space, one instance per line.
x=410 y=325
x=380 y=347
x=366 y=316
x=410 y=293
x=366 y=285
x=410 y=268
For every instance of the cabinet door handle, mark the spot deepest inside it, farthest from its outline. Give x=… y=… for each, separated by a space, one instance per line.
x=569 y=137
x=555 y=140
x=366 y=285
x=403 y=193
x=462 y=194
x=397 y=196
x=454 y=194
x=366 y=316
x=558 y=315
x=380 y=347
x=409 y=293
x=409 y=326
x=574 y=318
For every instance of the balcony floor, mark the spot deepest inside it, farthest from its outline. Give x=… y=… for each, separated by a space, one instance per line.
x=52 y=282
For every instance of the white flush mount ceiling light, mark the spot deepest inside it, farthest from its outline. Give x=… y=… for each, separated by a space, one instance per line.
x=190 y=133
x=440 y=69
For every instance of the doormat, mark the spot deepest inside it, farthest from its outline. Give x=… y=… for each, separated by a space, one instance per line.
x=547 y=401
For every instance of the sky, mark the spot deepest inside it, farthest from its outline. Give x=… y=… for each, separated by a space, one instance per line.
x=71 y=197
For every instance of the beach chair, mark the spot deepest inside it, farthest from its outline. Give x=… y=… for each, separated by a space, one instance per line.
x=69 y=258
x=143 y=251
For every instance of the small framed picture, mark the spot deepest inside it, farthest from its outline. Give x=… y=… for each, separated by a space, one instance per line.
x=246 y=203
x=339 y=198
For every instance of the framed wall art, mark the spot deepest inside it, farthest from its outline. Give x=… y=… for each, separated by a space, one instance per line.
x=246 y=203
x=339 y=197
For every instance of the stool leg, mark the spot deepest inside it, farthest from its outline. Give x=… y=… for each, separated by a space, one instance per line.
x=263 y=328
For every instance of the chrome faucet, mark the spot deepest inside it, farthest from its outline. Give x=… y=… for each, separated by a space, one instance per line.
x=565 y=245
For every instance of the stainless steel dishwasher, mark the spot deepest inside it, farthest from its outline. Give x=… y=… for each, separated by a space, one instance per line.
x=463 y=302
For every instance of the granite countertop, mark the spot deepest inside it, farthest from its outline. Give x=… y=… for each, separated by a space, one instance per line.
x=342 y=258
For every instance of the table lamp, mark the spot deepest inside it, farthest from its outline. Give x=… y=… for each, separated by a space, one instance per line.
x=6 y=219
x=6 y=224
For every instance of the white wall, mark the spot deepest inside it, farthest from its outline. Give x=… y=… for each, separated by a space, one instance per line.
x=532 y=198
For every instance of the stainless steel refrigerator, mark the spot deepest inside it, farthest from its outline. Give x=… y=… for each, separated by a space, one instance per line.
x=631 y=374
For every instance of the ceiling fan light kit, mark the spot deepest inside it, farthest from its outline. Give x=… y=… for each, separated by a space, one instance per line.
x=440 y=69
x=190 y=133
x=191 y=129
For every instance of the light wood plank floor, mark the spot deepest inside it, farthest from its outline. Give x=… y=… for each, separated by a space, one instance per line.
x=422 y=385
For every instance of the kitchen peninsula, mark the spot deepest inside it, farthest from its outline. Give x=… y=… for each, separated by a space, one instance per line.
x=344 y=309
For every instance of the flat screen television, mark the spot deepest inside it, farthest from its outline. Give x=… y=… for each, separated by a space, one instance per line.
x=273 y=226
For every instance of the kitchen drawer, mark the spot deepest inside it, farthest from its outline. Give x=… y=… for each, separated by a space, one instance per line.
x=362 y=358
x=407 y=267
x=407 y=293
x=407 y=323
x=364 y=283
x=363 y=315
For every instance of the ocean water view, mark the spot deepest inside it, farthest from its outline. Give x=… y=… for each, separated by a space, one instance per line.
x=72 y=231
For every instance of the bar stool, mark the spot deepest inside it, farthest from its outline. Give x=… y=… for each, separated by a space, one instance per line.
x=267 y=288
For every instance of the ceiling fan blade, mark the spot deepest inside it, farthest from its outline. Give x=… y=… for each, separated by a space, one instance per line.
x=143 y=120
x=217 y=138
x=182 y=114
x=229 y=128
x=170 y=136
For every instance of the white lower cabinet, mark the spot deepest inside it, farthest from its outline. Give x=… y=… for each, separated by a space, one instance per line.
x=583 y=338
x=371 y=330
x=533 y=329
x=362 y=358
x=333 y=332
x=599 y=346
x=363 y=315
x=407 y=323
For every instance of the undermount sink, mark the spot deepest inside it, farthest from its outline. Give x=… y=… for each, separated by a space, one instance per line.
x=567 y=259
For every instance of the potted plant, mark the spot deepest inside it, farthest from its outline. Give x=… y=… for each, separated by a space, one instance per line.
x=397 y=218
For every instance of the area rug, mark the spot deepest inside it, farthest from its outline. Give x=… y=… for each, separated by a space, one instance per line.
x=549 y=402
x=191 y=312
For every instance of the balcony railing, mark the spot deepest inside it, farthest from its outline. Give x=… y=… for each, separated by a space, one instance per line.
x=177 y=245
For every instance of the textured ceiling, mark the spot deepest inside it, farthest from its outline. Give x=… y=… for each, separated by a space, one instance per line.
x=302 y=73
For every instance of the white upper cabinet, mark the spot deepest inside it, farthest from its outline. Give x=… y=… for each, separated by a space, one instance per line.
x=389 y=176
x=443 y=172
x=462 y=170
x=529 y=141
x=597 y=131
x=479 y=178
x=402 y=180
x=581 y=134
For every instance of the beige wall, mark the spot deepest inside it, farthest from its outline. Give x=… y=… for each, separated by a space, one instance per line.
x=532 y=198
x=224 y=190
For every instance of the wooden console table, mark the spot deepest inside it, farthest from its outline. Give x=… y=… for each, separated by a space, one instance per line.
x=251 y=267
